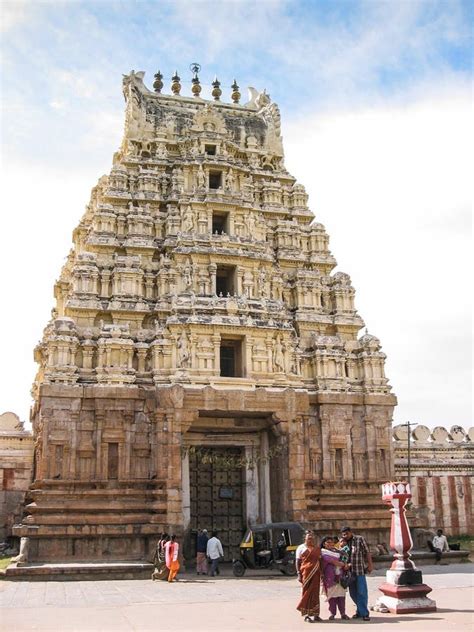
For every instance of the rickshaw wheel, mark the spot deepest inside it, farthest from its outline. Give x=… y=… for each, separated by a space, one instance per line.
x=238 y=569
x=289 y=570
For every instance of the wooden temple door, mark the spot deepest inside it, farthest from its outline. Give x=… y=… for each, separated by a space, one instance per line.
x=216 y=495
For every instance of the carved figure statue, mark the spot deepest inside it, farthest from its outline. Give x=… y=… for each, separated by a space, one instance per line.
x=175 y=181
x=188 y=221
x=250 y=224
x=230 y=180
x=278 y=356
x=161 y=151
x=187 y=276
x=262 y=282
x=183 y=351
x=164 y=184
x=201 y=178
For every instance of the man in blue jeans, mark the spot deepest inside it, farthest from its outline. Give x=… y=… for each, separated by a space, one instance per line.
x=360 y=562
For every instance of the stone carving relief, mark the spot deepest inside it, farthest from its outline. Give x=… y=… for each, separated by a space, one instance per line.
x=142 y=248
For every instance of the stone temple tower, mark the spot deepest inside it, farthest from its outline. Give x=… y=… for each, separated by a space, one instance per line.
x=202 y=366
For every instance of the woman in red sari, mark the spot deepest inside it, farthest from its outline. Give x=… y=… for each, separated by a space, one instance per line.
x=308 y=566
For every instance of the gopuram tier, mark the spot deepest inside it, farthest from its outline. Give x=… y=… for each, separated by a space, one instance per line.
x=202 y=366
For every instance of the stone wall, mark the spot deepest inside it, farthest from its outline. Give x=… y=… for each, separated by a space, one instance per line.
x=16 y=470
x=442 y=467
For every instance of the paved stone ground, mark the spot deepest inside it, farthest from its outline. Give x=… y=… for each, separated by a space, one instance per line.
x=253 y=603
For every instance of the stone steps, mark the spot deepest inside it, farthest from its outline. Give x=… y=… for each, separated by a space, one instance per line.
x=102 y=517
x=153 y=527
x=77 y=571
x=86 y=505
x=424 y=558
x=98 y=484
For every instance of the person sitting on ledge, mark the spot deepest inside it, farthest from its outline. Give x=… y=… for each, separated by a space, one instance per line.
x=438 y=545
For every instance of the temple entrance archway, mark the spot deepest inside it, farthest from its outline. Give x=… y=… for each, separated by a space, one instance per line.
x=226 y=476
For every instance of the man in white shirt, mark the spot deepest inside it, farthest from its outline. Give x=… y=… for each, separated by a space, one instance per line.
x=440 y=544
x=214 y=553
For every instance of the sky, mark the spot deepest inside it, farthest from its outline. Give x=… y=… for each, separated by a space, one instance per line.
x=376 y=104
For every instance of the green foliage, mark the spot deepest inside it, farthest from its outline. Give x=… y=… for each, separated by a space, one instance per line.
x=4 y=562
x=204 y=455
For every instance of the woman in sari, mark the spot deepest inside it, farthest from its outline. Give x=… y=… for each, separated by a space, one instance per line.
x=332 y=566
x=159 y=559
x=171 y=552
x=308 y=559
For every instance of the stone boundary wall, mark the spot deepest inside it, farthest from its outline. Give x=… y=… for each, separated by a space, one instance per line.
x=16 y=470
x=442 y=467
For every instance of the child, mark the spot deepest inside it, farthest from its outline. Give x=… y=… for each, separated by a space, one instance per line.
x=344 y=550
x=332 y=566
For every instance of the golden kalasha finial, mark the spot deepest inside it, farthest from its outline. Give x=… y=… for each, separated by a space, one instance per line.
x=235 y=92
x=175 y=85
x=216 y=89
x=158 y=83
x=196 y=87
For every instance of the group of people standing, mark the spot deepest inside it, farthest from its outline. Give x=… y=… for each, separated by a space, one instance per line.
x=166 y=558
x=337 y=564
x=208 y=549
x=209 y=554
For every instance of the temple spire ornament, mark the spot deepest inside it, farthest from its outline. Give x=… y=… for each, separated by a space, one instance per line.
x=175 y=83
x=158 y=83
x=235 y=96
x=196 y=87
x=216 y=89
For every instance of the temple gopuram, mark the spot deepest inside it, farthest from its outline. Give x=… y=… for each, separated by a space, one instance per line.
x=203 y=366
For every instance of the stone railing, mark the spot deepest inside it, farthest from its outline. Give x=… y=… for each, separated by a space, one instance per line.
x=438 y=435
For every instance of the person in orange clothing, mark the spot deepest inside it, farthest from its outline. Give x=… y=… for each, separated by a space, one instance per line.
x=171 y=556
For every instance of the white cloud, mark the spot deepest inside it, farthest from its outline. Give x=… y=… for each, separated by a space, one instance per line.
x=13 y=13
x=58 y=104
x=34 y=240
x=393 y=187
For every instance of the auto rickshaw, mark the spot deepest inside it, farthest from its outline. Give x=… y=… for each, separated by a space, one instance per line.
x=268 y=546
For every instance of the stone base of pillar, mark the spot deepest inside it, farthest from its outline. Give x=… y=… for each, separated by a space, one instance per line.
x=404 y=598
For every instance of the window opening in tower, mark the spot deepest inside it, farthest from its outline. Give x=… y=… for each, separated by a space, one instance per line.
x=220 y=223
x=225 y=280
x=231 y=358
x=215 y=179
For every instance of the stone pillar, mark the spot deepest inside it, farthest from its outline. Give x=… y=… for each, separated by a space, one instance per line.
x=264 y=478
x=212 y=273
x=216 y=341
x=252 y=490
x=186 y=492
x=404 y=591
x=296 y=450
